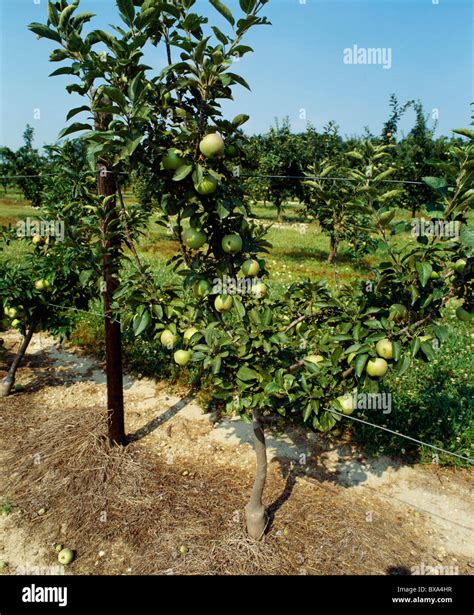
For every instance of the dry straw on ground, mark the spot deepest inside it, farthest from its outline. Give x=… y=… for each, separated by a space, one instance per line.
x=137 y=509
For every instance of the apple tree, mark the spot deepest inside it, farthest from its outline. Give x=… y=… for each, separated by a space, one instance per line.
x=299 y=355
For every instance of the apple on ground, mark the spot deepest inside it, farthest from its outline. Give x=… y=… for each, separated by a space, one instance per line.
x=259 y=290
x=65 y=556
x=169 y=339
x=194 y=238
x=376 y=368
x=42 y=511
x=182 y=357
x=384 y=348
x=232 y=243
x=250 y=268
x=188 y=334
x=223 y=303
x=212 y=145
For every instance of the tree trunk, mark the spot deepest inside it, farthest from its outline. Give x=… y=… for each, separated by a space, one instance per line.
x=332 y=250
x=279 y=208
x=113 y=336
x=7 y=383
x=255 y=510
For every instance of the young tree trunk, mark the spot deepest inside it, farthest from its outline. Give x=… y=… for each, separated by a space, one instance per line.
x=279 y=208
x=113 y=336
x=7 y=383
x=255 y=510
x=332 y=250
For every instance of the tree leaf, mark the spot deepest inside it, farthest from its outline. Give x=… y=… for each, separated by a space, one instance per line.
x=223 y=10
x=127 y=9
x=182 y=172
x=74 y=128
x=44 y=32
x=77 y=110
x=246 y=374
x=424 y=272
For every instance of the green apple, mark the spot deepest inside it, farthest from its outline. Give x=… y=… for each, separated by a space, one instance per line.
x=232 y=151
x=6 y=310
x=42 y=284
x=398 y=312
x=172 y=161
x=42 y=511
x=16 y=323
x=347 y=403
x=315 y=358
x=259 y=290
x=376 y=368
x=12 y=313
x=460 y=265
x=463 y=314
x=194 y=238
x=201 y=288
x=223 y=303
x=207 y=185
x=250 y=268
x=37 y=239
x=58 y=547
x=232 y=244
x=65 y=556
x=189 y=333
x=183 y=549
x=169 y=339
x=212 y=145
x=384 y=348
x=182 y=357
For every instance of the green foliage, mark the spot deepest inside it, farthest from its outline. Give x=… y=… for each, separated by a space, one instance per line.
x=432 y=402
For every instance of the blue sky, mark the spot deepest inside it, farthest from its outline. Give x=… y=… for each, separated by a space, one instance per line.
x=297 y=68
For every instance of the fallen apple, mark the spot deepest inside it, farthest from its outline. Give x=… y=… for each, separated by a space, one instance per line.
x=65 y=556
